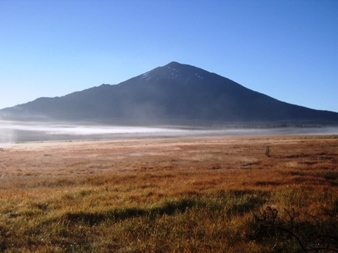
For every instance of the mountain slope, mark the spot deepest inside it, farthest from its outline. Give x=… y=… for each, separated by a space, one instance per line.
x=172 y=94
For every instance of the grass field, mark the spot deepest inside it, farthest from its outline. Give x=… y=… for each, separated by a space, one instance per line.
x=198 y=194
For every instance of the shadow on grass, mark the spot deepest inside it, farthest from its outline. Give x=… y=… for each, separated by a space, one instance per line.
x=230 y=202
x=167 y=207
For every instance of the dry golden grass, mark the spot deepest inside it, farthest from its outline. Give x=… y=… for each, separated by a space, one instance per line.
x=160 y=195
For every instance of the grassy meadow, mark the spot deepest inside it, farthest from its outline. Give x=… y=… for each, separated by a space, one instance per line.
x=196 y=194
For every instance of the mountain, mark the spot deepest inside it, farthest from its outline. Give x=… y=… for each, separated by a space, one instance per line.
x=174 y=94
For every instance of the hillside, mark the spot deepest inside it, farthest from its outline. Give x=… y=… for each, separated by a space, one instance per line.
x=173 y=94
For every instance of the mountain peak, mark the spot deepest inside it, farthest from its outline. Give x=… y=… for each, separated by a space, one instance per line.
x=175 y=70
x=173 y=64
x=170 y=71
x=177 y=65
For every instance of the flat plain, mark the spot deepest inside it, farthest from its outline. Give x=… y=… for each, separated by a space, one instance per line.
x=187 y=194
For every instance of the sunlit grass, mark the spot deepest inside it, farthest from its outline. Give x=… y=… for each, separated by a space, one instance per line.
x=164 y=195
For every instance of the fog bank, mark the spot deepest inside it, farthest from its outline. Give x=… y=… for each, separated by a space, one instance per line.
x=16 y=132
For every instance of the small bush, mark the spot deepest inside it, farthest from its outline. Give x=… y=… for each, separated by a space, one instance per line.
x=310 y=233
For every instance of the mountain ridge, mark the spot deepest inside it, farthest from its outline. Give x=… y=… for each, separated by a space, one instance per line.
x=172 y=94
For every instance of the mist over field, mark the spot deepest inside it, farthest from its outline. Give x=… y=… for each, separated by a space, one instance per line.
x=16 y=132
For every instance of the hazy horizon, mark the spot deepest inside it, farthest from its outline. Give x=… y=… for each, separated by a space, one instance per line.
x=12 y=132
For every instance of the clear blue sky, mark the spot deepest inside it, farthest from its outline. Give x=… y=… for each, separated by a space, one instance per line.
x=287 y=49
